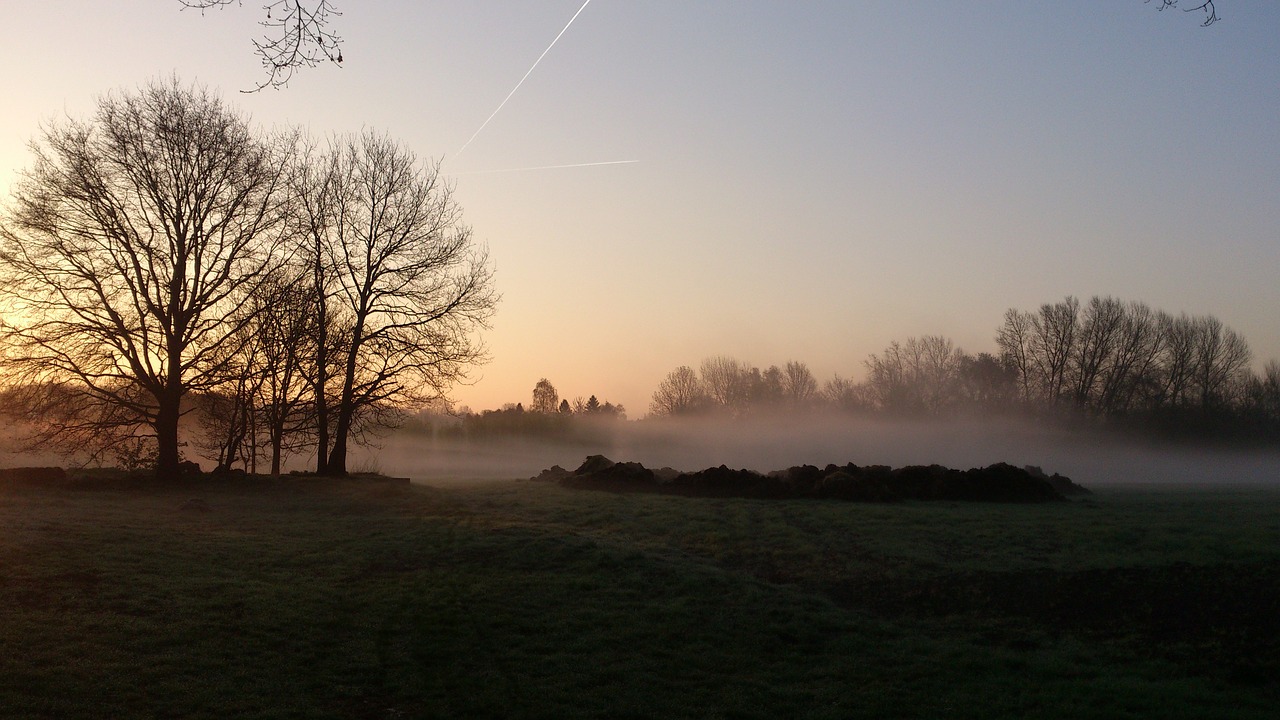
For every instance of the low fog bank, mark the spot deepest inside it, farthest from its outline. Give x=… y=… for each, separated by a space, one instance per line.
x=765 y=445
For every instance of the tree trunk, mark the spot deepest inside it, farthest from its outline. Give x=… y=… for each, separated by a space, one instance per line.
x=338 y=456
x=275 y=455
x=322 y=432
x=167 y=458
x=322 y=373
x=337 y=466
x=346 y=402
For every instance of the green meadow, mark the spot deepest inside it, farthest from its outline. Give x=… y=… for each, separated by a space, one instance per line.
x=302 y=598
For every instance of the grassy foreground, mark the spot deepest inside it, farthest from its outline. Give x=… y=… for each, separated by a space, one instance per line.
x=304 y=598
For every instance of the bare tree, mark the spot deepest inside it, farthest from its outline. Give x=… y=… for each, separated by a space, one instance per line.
x=1101 y=326
x=890 y=381
x=1178 y=360
x=298 y=35
x=1264 y=393
x=1221 y=355
x=1133 y=364
x=545 y=397
x=285 y=331
x=315 y=189
x=680 y=393
x=727 y=381
x=227 y=410
x=921 y=375
x=845 y=395
x=1052 y=338
x=405 y=270
x=798 y=384
x=939 y=372
x=1014 y=340
x=123 y=256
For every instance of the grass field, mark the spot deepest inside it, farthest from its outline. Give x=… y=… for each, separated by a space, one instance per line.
x=304 y=598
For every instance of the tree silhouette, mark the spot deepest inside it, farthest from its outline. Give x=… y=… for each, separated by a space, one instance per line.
x=545 y=397
x=285 y=333
x=315 y=192
x=727 y=382
x=124 y=260
x=406 y=275
x=799 y=386
x=680 y=393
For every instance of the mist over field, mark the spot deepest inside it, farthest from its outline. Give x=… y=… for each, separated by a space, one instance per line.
x=764 y=443
x=772 y=444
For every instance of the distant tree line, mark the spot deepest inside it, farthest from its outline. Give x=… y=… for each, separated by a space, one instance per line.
x=169 y=272
x=725 y=384
x=1105 y=360
x=546 y=417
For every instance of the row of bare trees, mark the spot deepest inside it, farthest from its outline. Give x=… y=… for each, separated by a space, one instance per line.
x=926 y=375
x=1112 y=358
x=1104 y=358
x=165 y=259
x=730 y=385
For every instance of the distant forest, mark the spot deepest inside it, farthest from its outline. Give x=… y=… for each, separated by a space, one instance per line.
x=1102 y=364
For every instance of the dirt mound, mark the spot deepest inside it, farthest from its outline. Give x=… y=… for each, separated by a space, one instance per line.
x=600 y=473
x=843 y=485
x=1061 y=483
x=555 y=473
x=874 y=483
x=724 y=482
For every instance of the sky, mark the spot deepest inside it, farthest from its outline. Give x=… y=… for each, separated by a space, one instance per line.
x=807 y=180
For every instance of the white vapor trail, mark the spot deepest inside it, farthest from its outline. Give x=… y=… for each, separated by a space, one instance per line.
x=547 y=167
x=526 y=77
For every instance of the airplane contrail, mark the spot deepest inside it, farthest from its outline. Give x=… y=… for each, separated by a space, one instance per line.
x=546 y=167
x=526 y=76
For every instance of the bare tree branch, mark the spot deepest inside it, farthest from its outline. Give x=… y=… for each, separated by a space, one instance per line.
x=1207 y=7
x=298 y=35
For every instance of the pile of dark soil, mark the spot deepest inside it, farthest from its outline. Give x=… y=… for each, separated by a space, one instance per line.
x=1061 y=483
x=874 y=483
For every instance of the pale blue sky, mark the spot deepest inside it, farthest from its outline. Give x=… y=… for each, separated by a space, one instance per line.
x=814 y=179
